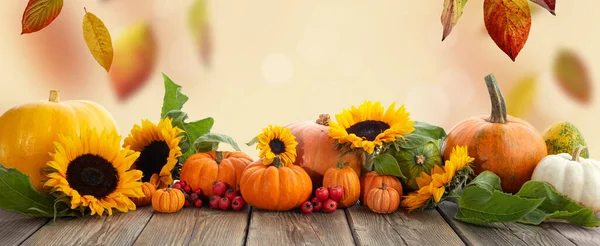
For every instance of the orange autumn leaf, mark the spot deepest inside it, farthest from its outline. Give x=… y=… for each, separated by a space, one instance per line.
x=39 y=14
x=201 y=30
x=550 y=5
x=508 y=23
x=572 y=76
x=453 y=10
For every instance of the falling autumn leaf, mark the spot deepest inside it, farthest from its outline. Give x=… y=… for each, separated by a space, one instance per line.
x=550 y=5
x=533 y=9
x=453 y=10
x=572 y=76
x=39 y=14
x=508 y=23
x=135 y=59
x=520 y=98
x=201 y=30
x=98 y=40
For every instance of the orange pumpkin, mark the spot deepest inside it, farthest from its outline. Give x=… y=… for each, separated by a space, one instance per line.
x=275 y=187
x=383 y=200
x=345 y=177
x=315 y=151
x=148 y=189
x=203 y=169
x=168 y=200
x=503 y=144
x=373 y=180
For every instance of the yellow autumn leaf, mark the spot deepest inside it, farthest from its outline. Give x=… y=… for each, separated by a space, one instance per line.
x=200 y=29
x=98 y=40
x=520 y=99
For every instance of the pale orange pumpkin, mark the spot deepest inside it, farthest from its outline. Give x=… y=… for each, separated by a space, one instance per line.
x=168 y=200
x=345 y=177
x=383 y=200
x=373 y=180
x=28 y=131
x=148 y=189
x=315 y=151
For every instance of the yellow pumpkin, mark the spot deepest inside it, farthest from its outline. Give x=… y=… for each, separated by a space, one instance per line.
x=27 y=132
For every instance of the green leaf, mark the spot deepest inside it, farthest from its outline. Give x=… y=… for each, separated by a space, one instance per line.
x=422 y=134
x=210 y=141
x=488 y=181
x=386 y=164
x=17 y=195
x=195 y=129
x=252 y=142
x=173 y=99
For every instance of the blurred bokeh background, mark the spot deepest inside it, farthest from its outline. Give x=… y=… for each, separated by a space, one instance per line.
x=276 y=62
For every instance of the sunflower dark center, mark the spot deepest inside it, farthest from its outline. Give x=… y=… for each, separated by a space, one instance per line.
x=277 y=146
x=368 y=129
x=152 y=159
x=92 y=175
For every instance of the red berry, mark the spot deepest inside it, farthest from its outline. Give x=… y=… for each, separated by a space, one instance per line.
x=224 y=203
x=198 y=191
x=182 y=183
x=194 y=197
x=214 y=202
x=231 y=193
x=198 y=203
x=219 y=188
x=336 y=193
x=238 y=203
x=322 y=193
x=187 y=189
x=307 y=207
x=176 y=186
x=187 y=203
x=317 y=204
x=329 y=206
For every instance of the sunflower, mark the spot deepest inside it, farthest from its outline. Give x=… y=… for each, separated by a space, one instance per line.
x=434 y=185
x=368 y=125
x=92 y=170
x=277 y=141
x=159 y=147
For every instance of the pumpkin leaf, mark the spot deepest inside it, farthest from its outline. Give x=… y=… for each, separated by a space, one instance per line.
x=573 y=77
x=210 y=141
x=18 y=195
x=98 y=40
x=386 y=164
x=173 y=98
x=422 y=134
x=201 y=30
x=39 y=14
x=508 y=23
x=550 y=5
x=521 y=97
x=453 y=10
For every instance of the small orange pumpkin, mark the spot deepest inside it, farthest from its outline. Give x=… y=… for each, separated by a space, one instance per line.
x=275 y=187
x=345 y=177
x=203 y=169
x=148 y=189
x=315 y=150
x=373 y=180
x=168 y=200
x=383 y=200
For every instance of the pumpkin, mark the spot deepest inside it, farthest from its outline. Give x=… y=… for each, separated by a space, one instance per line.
x=414 y=161
x=28 y=131
x=316 y=150
x=148 y=189
x=345 y=177
x=383 y=200
x=201 y=170
x=564 y=137
x=505 y=145
x=275 y=187
x=168 y=200
x=373 y=180
x=573 y=176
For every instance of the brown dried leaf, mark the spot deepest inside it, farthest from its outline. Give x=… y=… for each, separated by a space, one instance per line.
x=571 y=73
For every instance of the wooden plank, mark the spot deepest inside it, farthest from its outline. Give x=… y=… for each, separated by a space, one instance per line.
x=400 y=228
x=577 y=234
x=295 y=228
x=16 y=228
x=193 y=226
x=118 y=229
x=501 y=233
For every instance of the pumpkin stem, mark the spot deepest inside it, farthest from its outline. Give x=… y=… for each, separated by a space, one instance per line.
x=323 y=119
x=498 y=106
x=218 y=157
x=577 y=152
x=420 y=159
x=277 y=162
x=383 y=186
x=53 y=96
x=341 y=165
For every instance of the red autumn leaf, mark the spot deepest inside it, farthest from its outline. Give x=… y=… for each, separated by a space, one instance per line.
x=572 y=76
x=550 y=5
x=39 y=14
x=453 y=10
x=508 y=23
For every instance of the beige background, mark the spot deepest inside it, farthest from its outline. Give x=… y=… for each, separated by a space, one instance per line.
x=276 y=62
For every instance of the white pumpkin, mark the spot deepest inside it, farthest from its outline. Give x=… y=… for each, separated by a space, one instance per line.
x=573 y=176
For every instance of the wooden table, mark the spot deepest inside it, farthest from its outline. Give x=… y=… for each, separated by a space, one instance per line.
x=356 y=225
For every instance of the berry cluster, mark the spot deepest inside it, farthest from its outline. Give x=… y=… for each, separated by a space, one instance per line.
x=324 y=199
x=225 y=197
x=192 y=197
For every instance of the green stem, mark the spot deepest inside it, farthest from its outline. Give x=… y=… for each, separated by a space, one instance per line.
x=218 y=157
x=499 y=114
x=277 y=162
x=369 y=161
